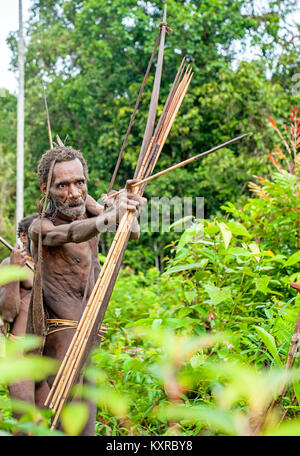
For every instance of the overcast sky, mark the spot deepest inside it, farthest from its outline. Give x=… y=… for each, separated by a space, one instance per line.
x=9 y=21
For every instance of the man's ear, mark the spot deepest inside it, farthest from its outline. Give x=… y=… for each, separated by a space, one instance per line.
x=43 y=187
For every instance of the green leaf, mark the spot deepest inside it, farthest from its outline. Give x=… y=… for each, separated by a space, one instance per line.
x=217 y=295
x=33 y=367
x=262 y=283
x=295 y=258
x=211 y=230
x=215 y=418
x=288 y=428
x=12 y=273
x=237 y=228
x=296 y=387
x=74 y=417
x=239 y=251
x=191 y=234
x=270 y=343
x=226 y=234
x=185 y=267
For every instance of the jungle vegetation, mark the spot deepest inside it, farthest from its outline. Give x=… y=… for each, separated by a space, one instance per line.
x=200 y=323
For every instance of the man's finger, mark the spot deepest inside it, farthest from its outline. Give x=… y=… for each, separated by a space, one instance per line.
x=130 y=182
x=135 y=196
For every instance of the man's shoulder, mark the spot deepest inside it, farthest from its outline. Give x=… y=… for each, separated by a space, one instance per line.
x=34 y=228
x=35 y=225
x=93 y=208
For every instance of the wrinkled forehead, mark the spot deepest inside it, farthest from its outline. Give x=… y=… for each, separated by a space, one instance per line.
x=68 y=171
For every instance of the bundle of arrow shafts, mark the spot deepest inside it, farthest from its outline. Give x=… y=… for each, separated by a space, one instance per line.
x=72 y=361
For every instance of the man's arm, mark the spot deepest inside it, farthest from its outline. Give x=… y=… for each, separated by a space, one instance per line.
x=77 y=231
x=92 y=207
x=83 y=230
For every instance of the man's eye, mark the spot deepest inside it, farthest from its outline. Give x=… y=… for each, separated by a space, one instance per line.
x=81 y=182
x=61 y=185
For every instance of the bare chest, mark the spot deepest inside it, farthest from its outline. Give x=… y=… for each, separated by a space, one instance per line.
x=70 y=258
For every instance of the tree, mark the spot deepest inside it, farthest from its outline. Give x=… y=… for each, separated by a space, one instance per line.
x=20 y=134
x=93 y=56
x=8 y=146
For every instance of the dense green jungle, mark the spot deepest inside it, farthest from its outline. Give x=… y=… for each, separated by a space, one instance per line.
x=199 y=338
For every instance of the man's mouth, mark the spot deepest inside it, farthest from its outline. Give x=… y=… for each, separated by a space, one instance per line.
x=77 y=204
x=72 y=209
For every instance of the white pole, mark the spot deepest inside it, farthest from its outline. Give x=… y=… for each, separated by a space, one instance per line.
x=20 y=131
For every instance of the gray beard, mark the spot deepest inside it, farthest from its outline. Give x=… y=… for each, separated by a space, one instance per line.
x=73 y=211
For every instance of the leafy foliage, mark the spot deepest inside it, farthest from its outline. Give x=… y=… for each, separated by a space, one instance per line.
x=198 y=348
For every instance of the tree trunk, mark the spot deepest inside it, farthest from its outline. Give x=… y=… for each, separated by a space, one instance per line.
x=20 y=131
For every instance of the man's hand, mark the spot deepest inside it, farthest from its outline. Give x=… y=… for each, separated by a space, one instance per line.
x=115 y=208
x=121 y=203
x=18 y=256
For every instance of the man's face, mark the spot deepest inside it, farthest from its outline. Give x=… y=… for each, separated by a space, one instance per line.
x=24 y=239
x=69 y=190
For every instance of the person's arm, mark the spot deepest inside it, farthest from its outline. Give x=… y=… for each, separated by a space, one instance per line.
x=77 y=231
x=83 y=230
x=10 y=293
x=92 y=207
x=135 y=227
x=95 y=209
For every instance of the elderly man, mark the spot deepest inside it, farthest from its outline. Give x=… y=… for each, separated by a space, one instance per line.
x=14 y=305
x=70 y=235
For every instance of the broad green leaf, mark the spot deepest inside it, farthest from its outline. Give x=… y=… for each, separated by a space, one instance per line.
x=217 y=295
x=262 y=283
x=33 y=367
x=141 y=322
x=226 y=234
x=288 y=428
x=296 y=386
x=191 y=234
x=270 y=343
x=185 y=267
x=74 y=417
x=11 y=273
x=156 y=323
x=239 y=251
x=174 y=323
x=25 y=344
x=237 y=228
x=215 y=418
x=255 y=249
x=211 y=230
x=247 y=271
x=184 y=312
x=295 y=258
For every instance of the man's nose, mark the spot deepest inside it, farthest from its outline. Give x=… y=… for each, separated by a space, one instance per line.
x=74 y=192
